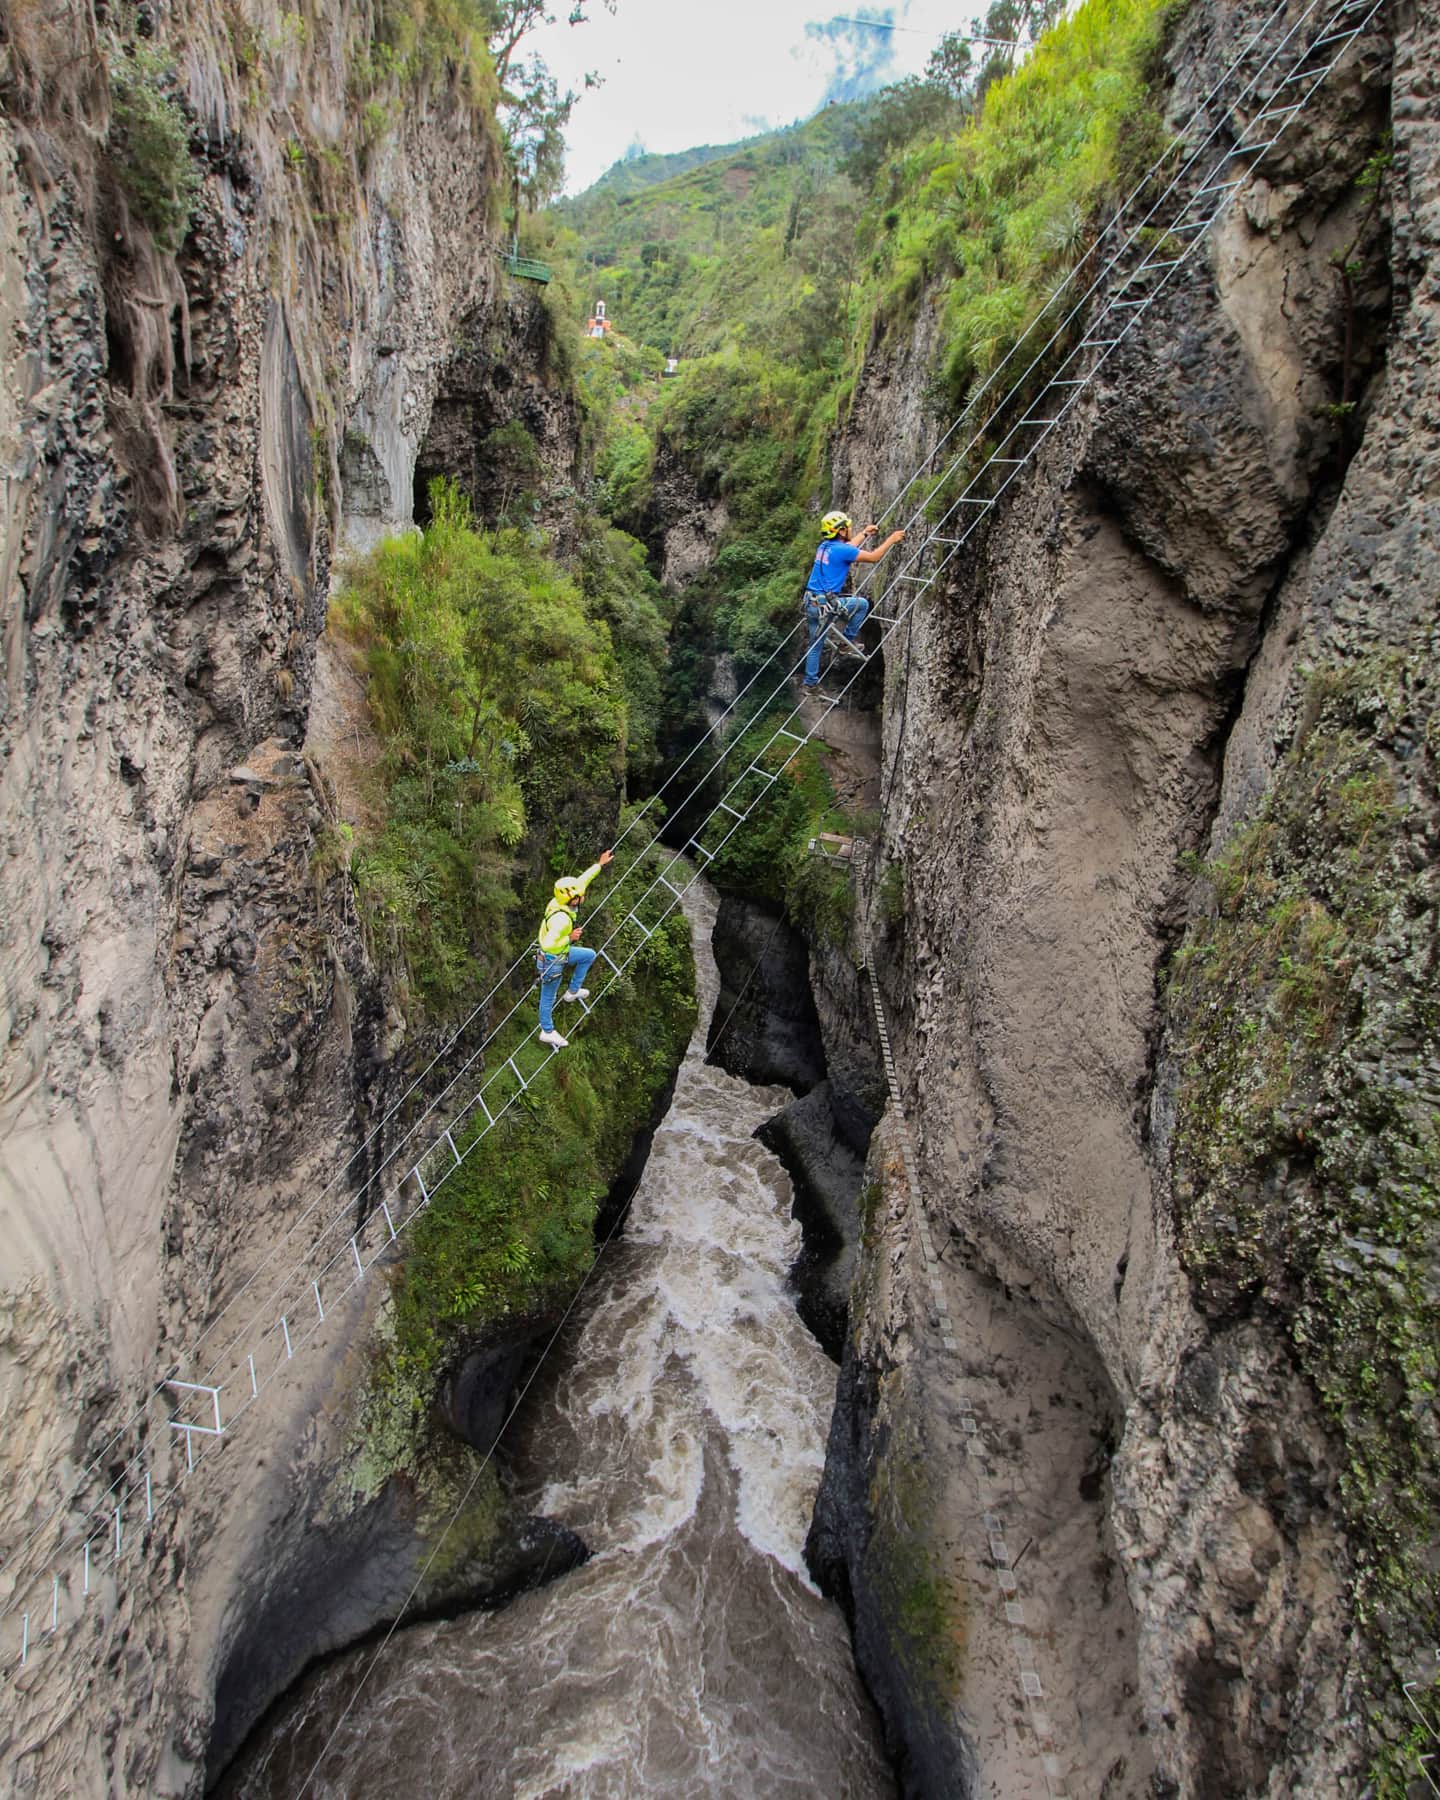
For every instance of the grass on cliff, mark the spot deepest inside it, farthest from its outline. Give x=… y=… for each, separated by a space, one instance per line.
x=504 y=708
x=1306 y=1016
x=503 y=690
x=987 y=220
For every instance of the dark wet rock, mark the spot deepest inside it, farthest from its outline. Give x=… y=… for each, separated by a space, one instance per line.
x=847 y=1560
x=354 y=1575
x=827 y=1174
x=765 y=1027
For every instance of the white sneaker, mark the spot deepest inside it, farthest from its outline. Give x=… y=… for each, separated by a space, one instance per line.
x=554 y=1040
x=579 y=994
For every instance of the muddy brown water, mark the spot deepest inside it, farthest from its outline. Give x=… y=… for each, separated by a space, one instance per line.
x=681 y=1434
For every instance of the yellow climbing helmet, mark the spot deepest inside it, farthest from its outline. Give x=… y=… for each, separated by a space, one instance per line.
x=564 y=890
x=834 y=523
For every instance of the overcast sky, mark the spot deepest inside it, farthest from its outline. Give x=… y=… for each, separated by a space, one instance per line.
x=677 y=73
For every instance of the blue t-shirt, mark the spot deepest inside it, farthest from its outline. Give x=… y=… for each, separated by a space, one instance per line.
x=832 y=566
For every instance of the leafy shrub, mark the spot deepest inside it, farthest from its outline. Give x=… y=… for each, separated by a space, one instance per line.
x=512 y=1231
x=499 y=700
x=149 y=141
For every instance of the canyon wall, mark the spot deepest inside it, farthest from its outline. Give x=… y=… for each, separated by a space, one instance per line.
x=1119 y=678
x=198 y=1059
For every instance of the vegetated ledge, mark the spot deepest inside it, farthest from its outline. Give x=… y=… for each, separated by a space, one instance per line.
x=1306 y=1164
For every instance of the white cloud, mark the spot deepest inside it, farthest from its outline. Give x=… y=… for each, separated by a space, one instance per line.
x=677 y=74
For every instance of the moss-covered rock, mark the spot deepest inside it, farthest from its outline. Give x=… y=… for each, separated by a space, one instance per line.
x=1306 y=1014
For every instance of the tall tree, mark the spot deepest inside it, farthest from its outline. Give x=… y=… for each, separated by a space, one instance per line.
x=533 y=110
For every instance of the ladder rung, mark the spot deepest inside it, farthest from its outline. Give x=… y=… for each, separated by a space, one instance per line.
x=1190 y=225
x=1334 y=37
x=726 y=807
x=700 y=850
x=1303 y=75
x=951 y=543
x=1143 y=300
x=605 y=956
x=1150 y=268
x=453 y=1151
x=420 y=1182
x=1269 y=112
x=1005 y=462
x=1039 y=421
x=518 y=1076
x=764 y=774
x=489 y=1116
x=965 y=500
x=794 y=736
x=1220 y=187
x=915 y=580
x=1098 y=343
x=640 y=926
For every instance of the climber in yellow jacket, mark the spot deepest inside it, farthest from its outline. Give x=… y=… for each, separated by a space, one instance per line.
x=559 y=948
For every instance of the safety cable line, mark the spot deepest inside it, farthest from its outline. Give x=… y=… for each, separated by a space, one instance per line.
x=1136 y=307
x=417 y=1126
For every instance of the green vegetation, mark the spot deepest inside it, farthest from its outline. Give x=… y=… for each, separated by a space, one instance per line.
x=988 y=219
x=425 y=40
x=499 y=699
x=1307 y=1145
x=503 y=691
x=511 y=1232
x=149 y=143
x=772 y=267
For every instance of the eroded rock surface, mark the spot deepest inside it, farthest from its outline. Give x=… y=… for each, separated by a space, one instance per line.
x=1111 y=685
x=195 y=1062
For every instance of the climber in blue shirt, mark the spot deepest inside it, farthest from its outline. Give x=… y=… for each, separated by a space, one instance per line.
x=824 y=591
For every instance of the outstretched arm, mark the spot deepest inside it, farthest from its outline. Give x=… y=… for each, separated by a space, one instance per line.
x=581 y=882
x=873 y=556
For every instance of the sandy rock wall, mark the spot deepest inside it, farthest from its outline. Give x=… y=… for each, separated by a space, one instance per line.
x=189 y=1042
x=1105 y=688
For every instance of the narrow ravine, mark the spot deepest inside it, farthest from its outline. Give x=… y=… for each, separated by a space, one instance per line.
x=681 y=1433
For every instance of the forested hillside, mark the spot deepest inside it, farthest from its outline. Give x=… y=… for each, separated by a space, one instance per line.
x=773 y=268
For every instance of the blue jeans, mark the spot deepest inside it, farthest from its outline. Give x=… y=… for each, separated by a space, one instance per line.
x=551 y=969
x=854 y=610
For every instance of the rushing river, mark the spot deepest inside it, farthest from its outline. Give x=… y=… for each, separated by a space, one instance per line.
x=682 y=1437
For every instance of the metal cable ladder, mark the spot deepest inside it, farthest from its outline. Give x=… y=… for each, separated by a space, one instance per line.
x=48 y=1588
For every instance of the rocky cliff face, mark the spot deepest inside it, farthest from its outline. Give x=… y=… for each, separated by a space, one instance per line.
x=192 y=1046
x=1121 y=679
